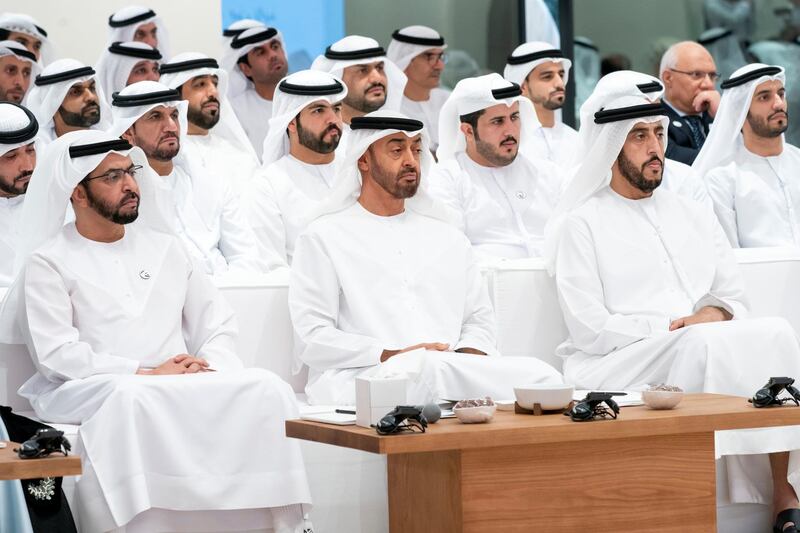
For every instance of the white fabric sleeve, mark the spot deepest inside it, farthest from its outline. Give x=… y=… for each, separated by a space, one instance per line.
x=52 y=339
x=209 y=324
x=478 y=329
x=237 y=242
x=727 y=289
x=264 y=216
x=446 y=184
x=721 y=187
x=314 y=292
x=592 y=328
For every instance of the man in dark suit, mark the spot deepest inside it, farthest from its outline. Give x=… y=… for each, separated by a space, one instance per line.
x=689 y=75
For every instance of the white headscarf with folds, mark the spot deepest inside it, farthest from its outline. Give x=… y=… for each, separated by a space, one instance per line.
x=241 y=45
x=617 y=104
x=116 y=62
x=18 y=127
x=365 y=131
x=289 y=100
x=528 y=56
x=474 y=94
x=184 y=67
x=122 y=25
x=737 y=93
x=59 y=170
x=13 y=48
x=51 y=87
x=22 y=23
x=411 y=41
x=357 y=50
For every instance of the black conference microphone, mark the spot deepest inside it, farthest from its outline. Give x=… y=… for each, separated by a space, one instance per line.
x=431 y=412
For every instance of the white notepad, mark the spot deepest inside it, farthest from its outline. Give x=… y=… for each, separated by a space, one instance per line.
x=338 y=419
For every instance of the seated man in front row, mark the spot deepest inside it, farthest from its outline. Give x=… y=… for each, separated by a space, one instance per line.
x=383 y=273
x=649 y=286
x=132 y=341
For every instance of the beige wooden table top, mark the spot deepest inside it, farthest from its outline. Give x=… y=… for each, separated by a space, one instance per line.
x=697 y=413
x=56 y=465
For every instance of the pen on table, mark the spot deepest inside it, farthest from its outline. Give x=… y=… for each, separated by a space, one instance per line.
x=345 y=412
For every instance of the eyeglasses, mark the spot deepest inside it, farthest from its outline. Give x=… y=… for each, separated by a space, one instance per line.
x=432 y=58
x=699 y=75
x=112 y=177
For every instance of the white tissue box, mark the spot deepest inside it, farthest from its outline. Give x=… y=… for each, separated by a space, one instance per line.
x=377 y=396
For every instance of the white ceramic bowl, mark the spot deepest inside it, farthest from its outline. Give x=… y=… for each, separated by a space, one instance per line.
x=475 y=415
x=551 y=396
x=659 y=399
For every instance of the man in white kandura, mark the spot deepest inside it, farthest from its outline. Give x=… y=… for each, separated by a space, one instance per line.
x=419 y=51
x=18 y=129
x=750 y=171
x=373 y=81
x=256 y=62
x=203 y=209
x=66 y=97
x=124 y=63
x=648 y=286
x=140 y=24
x=542 y=71
x=132 y=341
x=382 y=283
x=503 y=197
x=215 y=139
x=299 y=160
x=677 y=177
x=25 y=30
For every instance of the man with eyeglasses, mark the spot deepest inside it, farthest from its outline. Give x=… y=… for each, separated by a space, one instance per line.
x=419 y=51
x=17 y=162
x=689 y=75
x=132 y=340
x=750 y=172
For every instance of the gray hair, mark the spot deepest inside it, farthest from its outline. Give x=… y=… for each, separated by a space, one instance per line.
x=670 y=59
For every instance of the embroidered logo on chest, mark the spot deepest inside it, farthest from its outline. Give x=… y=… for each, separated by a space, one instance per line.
x=144 y=274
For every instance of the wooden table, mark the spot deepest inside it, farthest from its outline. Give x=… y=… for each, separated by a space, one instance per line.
x=56 y=465
x=646 y=471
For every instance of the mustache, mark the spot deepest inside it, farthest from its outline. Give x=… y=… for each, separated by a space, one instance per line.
x=167 y=136
x=509 y=138
x=373 y=85
x=24 y=174
x=654 y=158
x=332 y=127
x=211 y=100
x=408 y=170
x=129 y=196
x=776 y=113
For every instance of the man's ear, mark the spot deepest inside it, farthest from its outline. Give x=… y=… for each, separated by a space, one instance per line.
x=128 y=135
x=292 y=126
x=78 y=196
x=246 y=69
x=524 y=88
x=363 y=164
x=666 y=78
x=466 y=128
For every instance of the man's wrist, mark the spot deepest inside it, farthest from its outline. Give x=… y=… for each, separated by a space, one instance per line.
x=386 y=354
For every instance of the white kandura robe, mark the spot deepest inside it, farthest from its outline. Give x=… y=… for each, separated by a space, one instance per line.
x=503 y=210
x=427 y=111
x=221 y=158
x=207 y=217
x=624 y=270
x=363 y=283
x=280 y=202
x=757 y=199
x=556 y=145
x=680 y=179
x=253 y=113
x=93 y=313
x=10 y=211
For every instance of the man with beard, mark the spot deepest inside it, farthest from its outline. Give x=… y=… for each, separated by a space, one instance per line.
x=17 y=67
x=504 y=198
x=542 y=71
x=215 y=140
x=132 y=340
x=383 y=284
x=65 y=97
x=648 y=287
x=750 y=172
x=256 y=62
x=299 y=160
x=124 y=63
x=419 y=51
x=373 y=81
x=17 y=161
x=204 y=211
